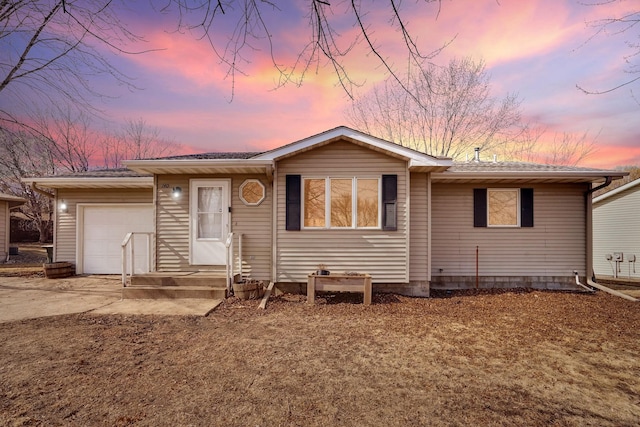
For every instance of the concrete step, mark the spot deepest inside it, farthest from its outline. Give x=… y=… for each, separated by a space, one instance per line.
x=208 y=280
x=173 y=292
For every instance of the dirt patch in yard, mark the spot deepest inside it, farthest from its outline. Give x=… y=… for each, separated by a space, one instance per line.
x=487 y=358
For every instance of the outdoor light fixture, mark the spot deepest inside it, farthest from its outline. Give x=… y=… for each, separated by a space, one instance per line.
x=63 y=206
x=177 y=192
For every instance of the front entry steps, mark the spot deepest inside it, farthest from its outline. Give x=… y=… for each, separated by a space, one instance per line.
x=173 y=285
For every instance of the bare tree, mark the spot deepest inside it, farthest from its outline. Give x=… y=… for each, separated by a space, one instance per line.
x=237 y=29
x=22 y=156
x=449 y=111
x=137 y=140
x=69 y=136
x=564 y=148
x=613 y=25
x=50 y=49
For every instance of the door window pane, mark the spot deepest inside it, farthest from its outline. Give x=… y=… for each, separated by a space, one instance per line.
x=210 y=212
x=341 y=203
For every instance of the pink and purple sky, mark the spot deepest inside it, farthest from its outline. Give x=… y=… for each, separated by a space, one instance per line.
x=537 y=49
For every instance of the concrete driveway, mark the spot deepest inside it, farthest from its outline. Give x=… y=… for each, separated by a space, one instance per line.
x=29 y=298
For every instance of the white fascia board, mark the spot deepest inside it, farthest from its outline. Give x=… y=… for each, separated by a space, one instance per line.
x=616 y=190
x=420 y=158
x=92 y=182
x=439 y=164
x=148 y=166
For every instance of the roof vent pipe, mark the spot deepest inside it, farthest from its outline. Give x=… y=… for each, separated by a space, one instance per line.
x=477 y=157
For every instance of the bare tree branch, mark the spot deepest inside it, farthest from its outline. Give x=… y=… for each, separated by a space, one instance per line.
x=627 y=24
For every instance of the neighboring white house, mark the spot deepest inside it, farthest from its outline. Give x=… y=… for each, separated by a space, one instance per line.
x=616 y=232
x=7 y=202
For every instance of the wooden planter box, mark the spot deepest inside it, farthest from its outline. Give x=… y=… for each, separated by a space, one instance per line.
x=250 y=290
x=339 y=283
x=59 y=270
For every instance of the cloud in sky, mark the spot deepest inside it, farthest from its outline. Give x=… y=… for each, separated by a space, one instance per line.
x=534 y=48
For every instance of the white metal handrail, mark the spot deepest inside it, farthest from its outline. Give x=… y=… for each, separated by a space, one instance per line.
x=229 y=259
x=128 y=243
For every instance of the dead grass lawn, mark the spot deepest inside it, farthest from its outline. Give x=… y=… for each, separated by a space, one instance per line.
x=509 y=358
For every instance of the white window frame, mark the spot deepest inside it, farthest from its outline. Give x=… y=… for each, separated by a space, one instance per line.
x=354 y=202
x=517 y=191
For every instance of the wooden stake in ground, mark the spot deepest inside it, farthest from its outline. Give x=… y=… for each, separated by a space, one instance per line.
x=263 y=303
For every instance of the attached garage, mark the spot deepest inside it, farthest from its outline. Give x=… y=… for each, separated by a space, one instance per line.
x=94 y=212
x=102 y=229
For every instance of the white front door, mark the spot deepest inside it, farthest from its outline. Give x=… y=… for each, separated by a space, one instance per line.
x=209 y=207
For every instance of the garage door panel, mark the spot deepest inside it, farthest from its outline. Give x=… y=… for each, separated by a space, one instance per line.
x=104 y=229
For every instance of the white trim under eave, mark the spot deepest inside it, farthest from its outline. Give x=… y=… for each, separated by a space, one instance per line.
x=187 y=166
x=91 y=182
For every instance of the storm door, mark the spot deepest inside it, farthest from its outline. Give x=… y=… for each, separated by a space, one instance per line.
x=210 y=202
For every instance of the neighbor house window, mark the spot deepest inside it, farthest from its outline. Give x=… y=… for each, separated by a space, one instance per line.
x=341 y=202
x=503 y=207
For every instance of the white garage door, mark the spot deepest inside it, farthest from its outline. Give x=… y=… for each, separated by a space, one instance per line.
x=103 y=230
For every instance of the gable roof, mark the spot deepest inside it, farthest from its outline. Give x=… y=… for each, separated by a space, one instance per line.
x=622 y=188
x=263 y=163
x=417 y=160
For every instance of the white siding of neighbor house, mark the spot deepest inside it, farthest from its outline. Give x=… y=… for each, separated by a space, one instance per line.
x=253 y=222
x=555 y=246
x=419 y=237
x=616 y=228
x=4 y=230
x=383 y=254
x=66 y=223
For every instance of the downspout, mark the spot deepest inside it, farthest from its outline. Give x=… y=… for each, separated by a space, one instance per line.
x=34 y=187
x=589 y=224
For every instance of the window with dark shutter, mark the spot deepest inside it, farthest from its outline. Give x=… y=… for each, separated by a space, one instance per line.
x=479 y=207
x=293 y=202
x=526 y=207
x=389 y=202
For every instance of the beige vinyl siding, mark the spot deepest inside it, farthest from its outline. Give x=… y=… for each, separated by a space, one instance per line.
x=555 y=246
x=4 y=230
x=66 y=222
x=419 y=249
x=253 y=222
x=383 y=254
x=172 y=224
x=616 y=228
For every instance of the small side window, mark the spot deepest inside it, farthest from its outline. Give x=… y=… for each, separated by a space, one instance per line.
x=503 y=207
x=252 y=192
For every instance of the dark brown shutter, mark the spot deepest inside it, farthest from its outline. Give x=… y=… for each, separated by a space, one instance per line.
x=526 y=207
x=479 y=207
x=389 y=202
x=293 y=197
